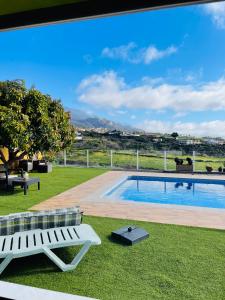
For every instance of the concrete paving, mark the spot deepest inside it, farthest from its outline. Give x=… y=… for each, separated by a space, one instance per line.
x=14 y=291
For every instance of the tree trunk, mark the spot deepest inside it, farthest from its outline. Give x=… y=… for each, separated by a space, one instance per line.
x=13 y=162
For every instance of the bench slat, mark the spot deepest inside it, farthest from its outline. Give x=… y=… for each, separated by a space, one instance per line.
x=45 y=237
x=31 y=243
x=58 y=235
x=2 y=238
x=52 y=237
x=23 y=241
x=66 y=234
x=7 y=244
x=16 y=242
x=38 y=238
x=72 y=233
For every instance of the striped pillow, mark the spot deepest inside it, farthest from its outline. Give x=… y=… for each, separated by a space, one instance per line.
x=40 y=220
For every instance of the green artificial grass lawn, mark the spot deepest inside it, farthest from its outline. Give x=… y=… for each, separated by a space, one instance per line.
x=175 y=262
x=60 y=180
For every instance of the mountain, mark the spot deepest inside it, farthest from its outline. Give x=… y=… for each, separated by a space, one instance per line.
x=84 y=120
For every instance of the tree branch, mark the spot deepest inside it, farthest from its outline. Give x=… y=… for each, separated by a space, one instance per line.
x=21 y=156
x=16 y=152
x=2 y=157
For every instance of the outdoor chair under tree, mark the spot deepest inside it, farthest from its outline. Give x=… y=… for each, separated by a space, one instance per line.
x=6 y=177
x=3 y=179
x=28 y=234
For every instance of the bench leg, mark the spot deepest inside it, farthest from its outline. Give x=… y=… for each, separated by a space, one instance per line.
x=25 y=188
x=5 y=263
x=67 y=267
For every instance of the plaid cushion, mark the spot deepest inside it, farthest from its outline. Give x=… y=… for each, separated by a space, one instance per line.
x=43 y=219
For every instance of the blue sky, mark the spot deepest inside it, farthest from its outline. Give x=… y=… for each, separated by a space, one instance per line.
x=160 y=71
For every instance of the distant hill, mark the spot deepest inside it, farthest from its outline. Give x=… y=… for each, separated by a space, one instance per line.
x=84 y=120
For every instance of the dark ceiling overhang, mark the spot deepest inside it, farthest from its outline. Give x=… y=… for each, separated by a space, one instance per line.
x=22 y=13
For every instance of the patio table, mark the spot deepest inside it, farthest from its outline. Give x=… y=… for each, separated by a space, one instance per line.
x=25 y=183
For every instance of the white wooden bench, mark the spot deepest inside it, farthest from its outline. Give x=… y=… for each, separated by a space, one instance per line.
x=31 y=242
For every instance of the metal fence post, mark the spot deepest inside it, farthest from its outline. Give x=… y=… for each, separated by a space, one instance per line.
x=64 y=157
x=137 y=160
x=193 y=158
x=165 y=161
x=111 y=158
x=87 y=158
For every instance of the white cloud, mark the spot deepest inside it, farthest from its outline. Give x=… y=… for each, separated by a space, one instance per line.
x=123 y=52
x=217 y=12
x=111 y=91
x=188 y=76
x=211 y=128
x=132 y=54
x=121 y=112
x=152 y=53
x=152 y=81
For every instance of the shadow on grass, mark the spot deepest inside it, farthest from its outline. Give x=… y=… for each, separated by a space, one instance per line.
x=38 y=264
x=10 y=192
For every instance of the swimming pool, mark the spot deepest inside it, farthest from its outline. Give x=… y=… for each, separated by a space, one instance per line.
x=165 y=190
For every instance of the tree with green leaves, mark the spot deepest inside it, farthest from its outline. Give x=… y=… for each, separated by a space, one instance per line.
x=31 y=121
x=174 y=135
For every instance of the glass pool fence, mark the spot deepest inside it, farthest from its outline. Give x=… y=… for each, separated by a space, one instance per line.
x=140 y=160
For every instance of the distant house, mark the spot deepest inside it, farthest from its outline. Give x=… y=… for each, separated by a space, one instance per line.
x=78 y=136
x=187 y=140
x=157 y=140
x=100 y=130
x=214 y=141
x=114 y=132
x=126 y=133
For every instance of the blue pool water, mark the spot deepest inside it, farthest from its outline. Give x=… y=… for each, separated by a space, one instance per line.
x=191 y=192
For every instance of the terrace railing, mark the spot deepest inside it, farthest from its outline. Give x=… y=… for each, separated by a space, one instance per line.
x=135 y=159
